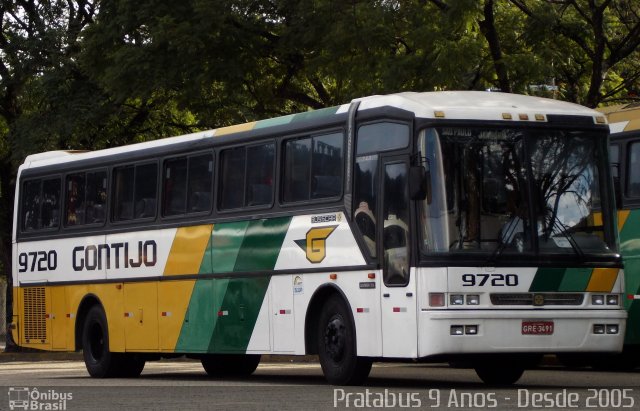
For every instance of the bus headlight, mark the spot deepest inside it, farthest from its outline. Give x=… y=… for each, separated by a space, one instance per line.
x=473 y=299
x=597 y=299
x=612 y=299
x=456 y=299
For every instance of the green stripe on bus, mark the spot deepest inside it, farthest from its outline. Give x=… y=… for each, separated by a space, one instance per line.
x=277 y=121
x=547 y=279
x=222 y=313
x=262 y=244
x=575 y=279
x=311 y=115
x=199 y=321
x=630 y=248
x=239 y=312
x=226 y=240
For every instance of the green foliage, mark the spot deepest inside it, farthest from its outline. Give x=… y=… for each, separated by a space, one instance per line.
x=91 y=74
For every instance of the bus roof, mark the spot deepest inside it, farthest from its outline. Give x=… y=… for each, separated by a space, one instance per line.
x=456 y=105
x=623 y=117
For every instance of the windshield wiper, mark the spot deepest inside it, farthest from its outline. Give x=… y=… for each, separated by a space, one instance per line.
x=563 y=231
x=508 y=234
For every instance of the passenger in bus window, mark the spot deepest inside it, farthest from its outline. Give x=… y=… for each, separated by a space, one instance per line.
x=367 y=224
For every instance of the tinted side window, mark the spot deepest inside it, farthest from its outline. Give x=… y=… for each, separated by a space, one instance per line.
x=50 y=212
x=259 y=187
x=297 y=168
x=614 y=159
x=175 y=186
x=187 y=184
x=247 y=176
x=327 y=166
x=134 y=192
x=313 y=167
x=145 y=191
x=633 y=170
x=85 y=199
x=199 y=194
x=41 y=204
x=232 y=162
x=31 y=205
x=377 y=137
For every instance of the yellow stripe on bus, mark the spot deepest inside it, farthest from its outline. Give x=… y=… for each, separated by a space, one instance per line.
x=622 y=218
x=602 y=279
x=235 y=129
x=188 y=250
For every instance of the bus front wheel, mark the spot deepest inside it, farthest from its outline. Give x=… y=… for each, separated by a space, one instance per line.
x=499 y=375
x=337 y=346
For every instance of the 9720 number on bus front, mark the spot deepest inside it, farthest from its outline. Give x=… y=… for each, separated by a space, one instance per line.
x=494 y=280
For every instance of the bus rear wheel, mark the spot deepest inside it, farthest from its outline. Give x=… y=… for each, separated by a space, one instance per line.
x=337 y=346
x=230 y=365
x=100 y=362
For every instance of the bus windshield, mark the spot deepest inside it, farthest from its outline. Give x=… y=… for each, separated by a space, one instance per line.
x=513 y=190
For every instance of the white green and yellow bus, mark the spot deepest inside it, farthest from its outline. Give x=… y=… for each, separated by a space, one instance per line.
x=624 y=152
x=444 y=226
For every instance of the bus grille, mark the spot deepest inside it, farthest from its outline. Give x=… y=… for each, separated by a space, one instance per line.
x=537 y=299
x=35 y=323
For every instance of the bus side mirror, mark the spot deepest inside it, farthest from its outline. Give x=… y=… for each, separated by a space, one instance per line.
x=419 y=183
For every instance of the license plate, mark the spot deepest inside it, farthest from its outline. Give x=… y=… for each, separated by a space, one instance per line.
x=537 y=327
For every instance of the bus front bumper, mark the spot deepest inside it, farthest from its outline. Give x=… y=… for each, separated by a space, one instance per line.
x=520 y=331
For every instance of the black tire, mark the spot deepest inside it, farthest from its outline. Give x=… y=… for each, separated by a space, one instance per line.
x=230 y=365
x=337 y=346
x=625 y=361
x=131 y=365
x=100 y=362
x=499 y=375
x=573 y=360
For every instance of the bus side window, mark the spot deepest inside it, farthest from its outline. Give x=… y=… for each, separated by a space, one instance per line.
x=199 y=193
x=365 y=199
x=259 y=186
x=232 y=162
x=372 y=139
x=145 y=191
x=247 y=176
x=75 y=200
x=633 y=170
x=31 y=205
x=175 y=187
x=50 y=211
x=313 y=167
x=297 y=169
x=96 y=197
x=134 y=192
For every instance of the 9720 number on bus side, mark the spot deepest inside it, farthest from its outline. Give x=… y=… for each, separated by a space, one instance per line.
x=494 y=280
x=37 y=261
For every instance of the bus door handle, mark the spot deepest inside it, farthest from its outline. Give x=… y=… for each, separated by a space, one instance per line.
x=409 y=294
x=385 y=295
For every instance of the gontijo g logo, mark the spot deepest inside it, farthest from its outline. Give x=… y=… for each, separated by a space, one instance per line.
x=315 y=244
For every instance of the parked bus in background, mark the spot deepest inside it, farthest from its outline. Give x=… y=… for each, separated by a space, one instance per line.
x=446 y=226
x=624 y=152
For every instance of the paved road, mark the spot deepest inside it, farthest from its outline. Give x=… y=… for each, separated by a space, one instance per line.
x=184 y=386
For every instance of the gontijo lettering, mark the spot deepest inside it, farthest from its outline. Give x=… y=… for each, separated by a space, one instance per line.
x=97 y=257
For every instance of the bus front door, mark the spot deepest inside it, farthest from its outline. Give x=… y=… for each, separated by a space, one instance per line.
x=399 y=322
